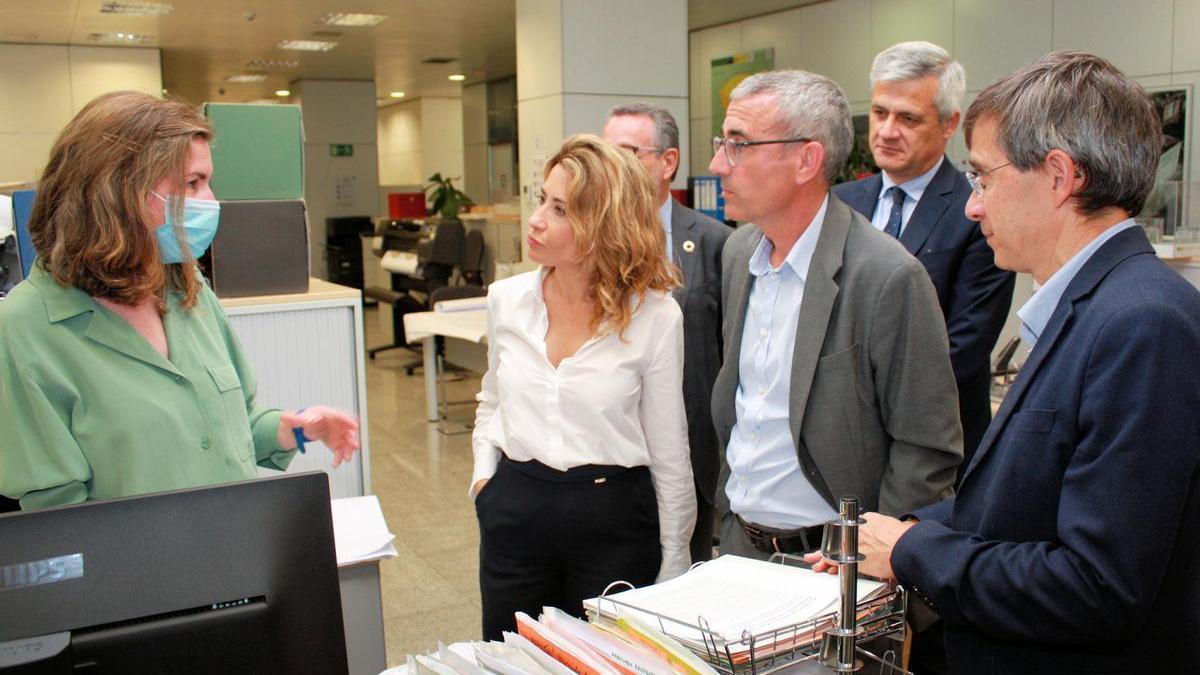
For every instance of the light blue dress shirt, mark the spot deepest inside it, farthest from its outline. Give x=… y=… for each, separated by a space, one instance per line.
x=913 y=188
x=766 y=484
x=1036 y=312
x=664 y=212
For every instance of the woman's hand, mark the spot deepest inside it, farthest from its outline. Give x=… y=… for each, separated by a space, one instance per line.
x=478 y=487
x=338 y=430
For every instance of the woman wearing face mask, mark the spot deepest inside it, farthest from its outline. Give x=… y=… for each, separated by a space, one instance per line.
x=582 y=468
x=119 y=373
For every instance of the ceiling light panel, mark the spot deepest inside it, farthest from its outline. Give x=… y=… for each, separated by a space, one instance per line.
x=137 y=8
x=247 y=77
x=118 y=38
x=308 y=45
x=272 y=64
x=356 y=20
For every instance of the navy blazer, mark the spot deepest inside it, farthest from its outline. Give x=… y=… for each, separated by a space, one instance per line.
x=696 y=245
x=974 y=294
x=1072 y=544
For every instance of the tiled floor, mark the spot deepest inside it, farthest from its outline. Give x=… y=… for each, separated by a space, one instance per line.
x=431 y=591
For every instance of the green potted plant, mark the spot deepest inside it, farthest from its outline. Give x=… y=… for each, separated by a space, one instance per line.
x=445 y=199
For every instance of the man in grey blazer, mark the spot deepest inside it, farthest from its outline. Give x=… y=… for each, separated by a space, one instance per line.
x=836 y=378
x=694 y=243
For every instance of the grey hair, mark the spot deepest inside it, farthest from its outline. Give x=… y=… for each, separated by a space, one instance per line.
x=810 y=106
x=1082 y=105
x=666 y=131
x=907 y=61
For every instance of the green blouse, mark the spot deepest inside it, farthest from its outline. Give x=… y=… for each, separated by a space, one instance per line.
x=92 y=411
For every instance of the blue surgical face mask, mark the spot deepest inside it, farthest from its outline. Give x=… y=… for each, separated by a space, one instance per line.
x=200 y=218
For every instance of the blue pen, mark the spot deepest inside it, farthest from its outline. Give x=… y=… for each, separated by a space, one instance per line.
x=301 y=438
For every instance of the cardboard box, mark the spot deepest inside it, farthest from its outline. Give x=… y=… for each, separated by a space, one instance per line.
x=261 y=248
x=258 y=151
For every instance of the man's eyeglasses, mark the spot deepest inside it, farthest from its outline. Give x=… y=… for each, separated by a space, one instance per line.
x=638 y=150
x=973 y=177
x=733 y=148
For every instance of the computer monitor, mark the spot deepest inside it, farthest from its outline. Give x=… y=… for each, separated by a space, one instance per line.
x=234 y=578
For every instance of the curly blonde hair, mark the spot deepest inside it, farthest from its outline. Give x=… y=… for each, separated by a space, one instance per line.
x=612 y=207
x=90 y=225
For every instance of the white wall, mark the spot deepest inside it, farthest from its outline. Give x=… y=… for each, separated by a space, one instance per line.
x=419 y=138
x=475 y=143
x=400 y=144
x=43 y=86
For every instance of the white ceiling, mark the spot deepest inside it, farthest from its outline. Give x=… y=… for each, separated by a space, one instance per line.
x=203 y=42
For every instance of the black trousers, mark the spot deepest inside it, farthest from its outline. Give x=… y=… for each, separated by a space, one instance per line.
x=701 y=545
x=555 y=538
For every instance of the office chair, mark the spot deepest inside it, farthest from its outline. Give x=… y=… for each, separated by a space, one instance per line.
x=439 y=250
x=1003 y=368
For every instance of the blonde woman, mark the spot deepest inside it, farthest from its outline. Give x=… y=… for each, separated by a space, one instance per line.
x=582 y=469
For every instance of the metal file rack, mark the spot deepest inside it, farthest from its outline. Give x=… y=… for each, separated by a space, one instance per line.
x=833 y=640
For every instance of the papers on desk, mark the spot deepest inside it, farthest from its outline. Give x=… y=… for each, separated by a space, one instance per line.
x=360 y=533
x=734 y=596
x=460 y=305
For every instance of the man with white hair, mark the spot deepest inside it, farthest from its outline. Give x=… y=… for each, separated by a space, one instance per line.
x=836 y=378
x=919 y=198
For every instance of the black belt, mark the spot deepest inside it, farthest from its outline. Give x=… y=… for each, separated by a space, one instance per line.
x=773 y=540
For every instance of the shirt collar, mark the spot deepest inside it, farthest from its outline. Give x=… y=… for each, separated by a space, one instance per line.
x=1036 y=312
x=914 y=188
x=664 y=212
x=802 y=251
x=62 y=302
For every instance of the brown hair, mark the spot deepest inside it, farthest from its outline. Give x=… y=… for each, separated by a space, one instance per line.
x=1081 y=104
x=90 y=225
x=612 y=207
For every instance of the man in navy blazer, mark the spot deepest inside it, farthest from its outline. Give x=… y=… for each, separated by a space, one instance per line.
x=1073 y=544
x=694 y=243
x=916 y=95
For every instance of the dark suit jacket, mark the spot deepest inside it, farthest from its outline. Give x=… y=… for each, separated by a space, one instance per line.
x=700 y=300
x=872 y=404
x=974 y=294
x=1072 y=543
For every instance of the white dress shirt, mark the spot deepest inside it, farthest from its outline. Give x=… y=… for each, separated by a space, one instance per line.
x=913 y=190
x=617 y=401
x=766 y=484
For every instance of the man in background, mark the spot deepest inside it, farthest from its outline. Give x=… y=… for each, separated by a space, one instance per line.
x=919 y=198
x=694 y=243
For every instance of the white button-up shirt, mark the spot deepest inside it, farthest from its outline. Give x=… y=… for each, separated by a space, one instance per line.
x=617 y=401
x=766 y=484
x=664 y=212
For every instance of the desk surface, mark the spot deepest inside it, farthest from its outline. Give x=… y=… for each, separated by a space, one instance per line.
x=318 y=289
x=469 y=325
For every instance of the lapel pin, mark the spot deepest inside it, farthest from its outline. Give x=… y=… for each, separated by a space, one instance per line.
x=689 y=246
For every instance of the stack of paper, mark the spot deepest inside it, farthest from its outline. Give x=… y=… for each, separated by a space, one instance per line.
x=735 y=598
x=360 y=532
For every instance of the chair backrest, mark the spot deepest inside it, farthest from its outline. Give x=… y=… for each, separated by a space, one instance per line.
x=473 y=255
x=455 y=293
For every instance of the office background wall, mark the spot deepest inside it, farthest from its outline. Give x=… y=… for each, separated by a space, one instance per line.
x=1154 y=41
x=475 y=142
x=418 y=138
x=1157 y=42
x=43 y=86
